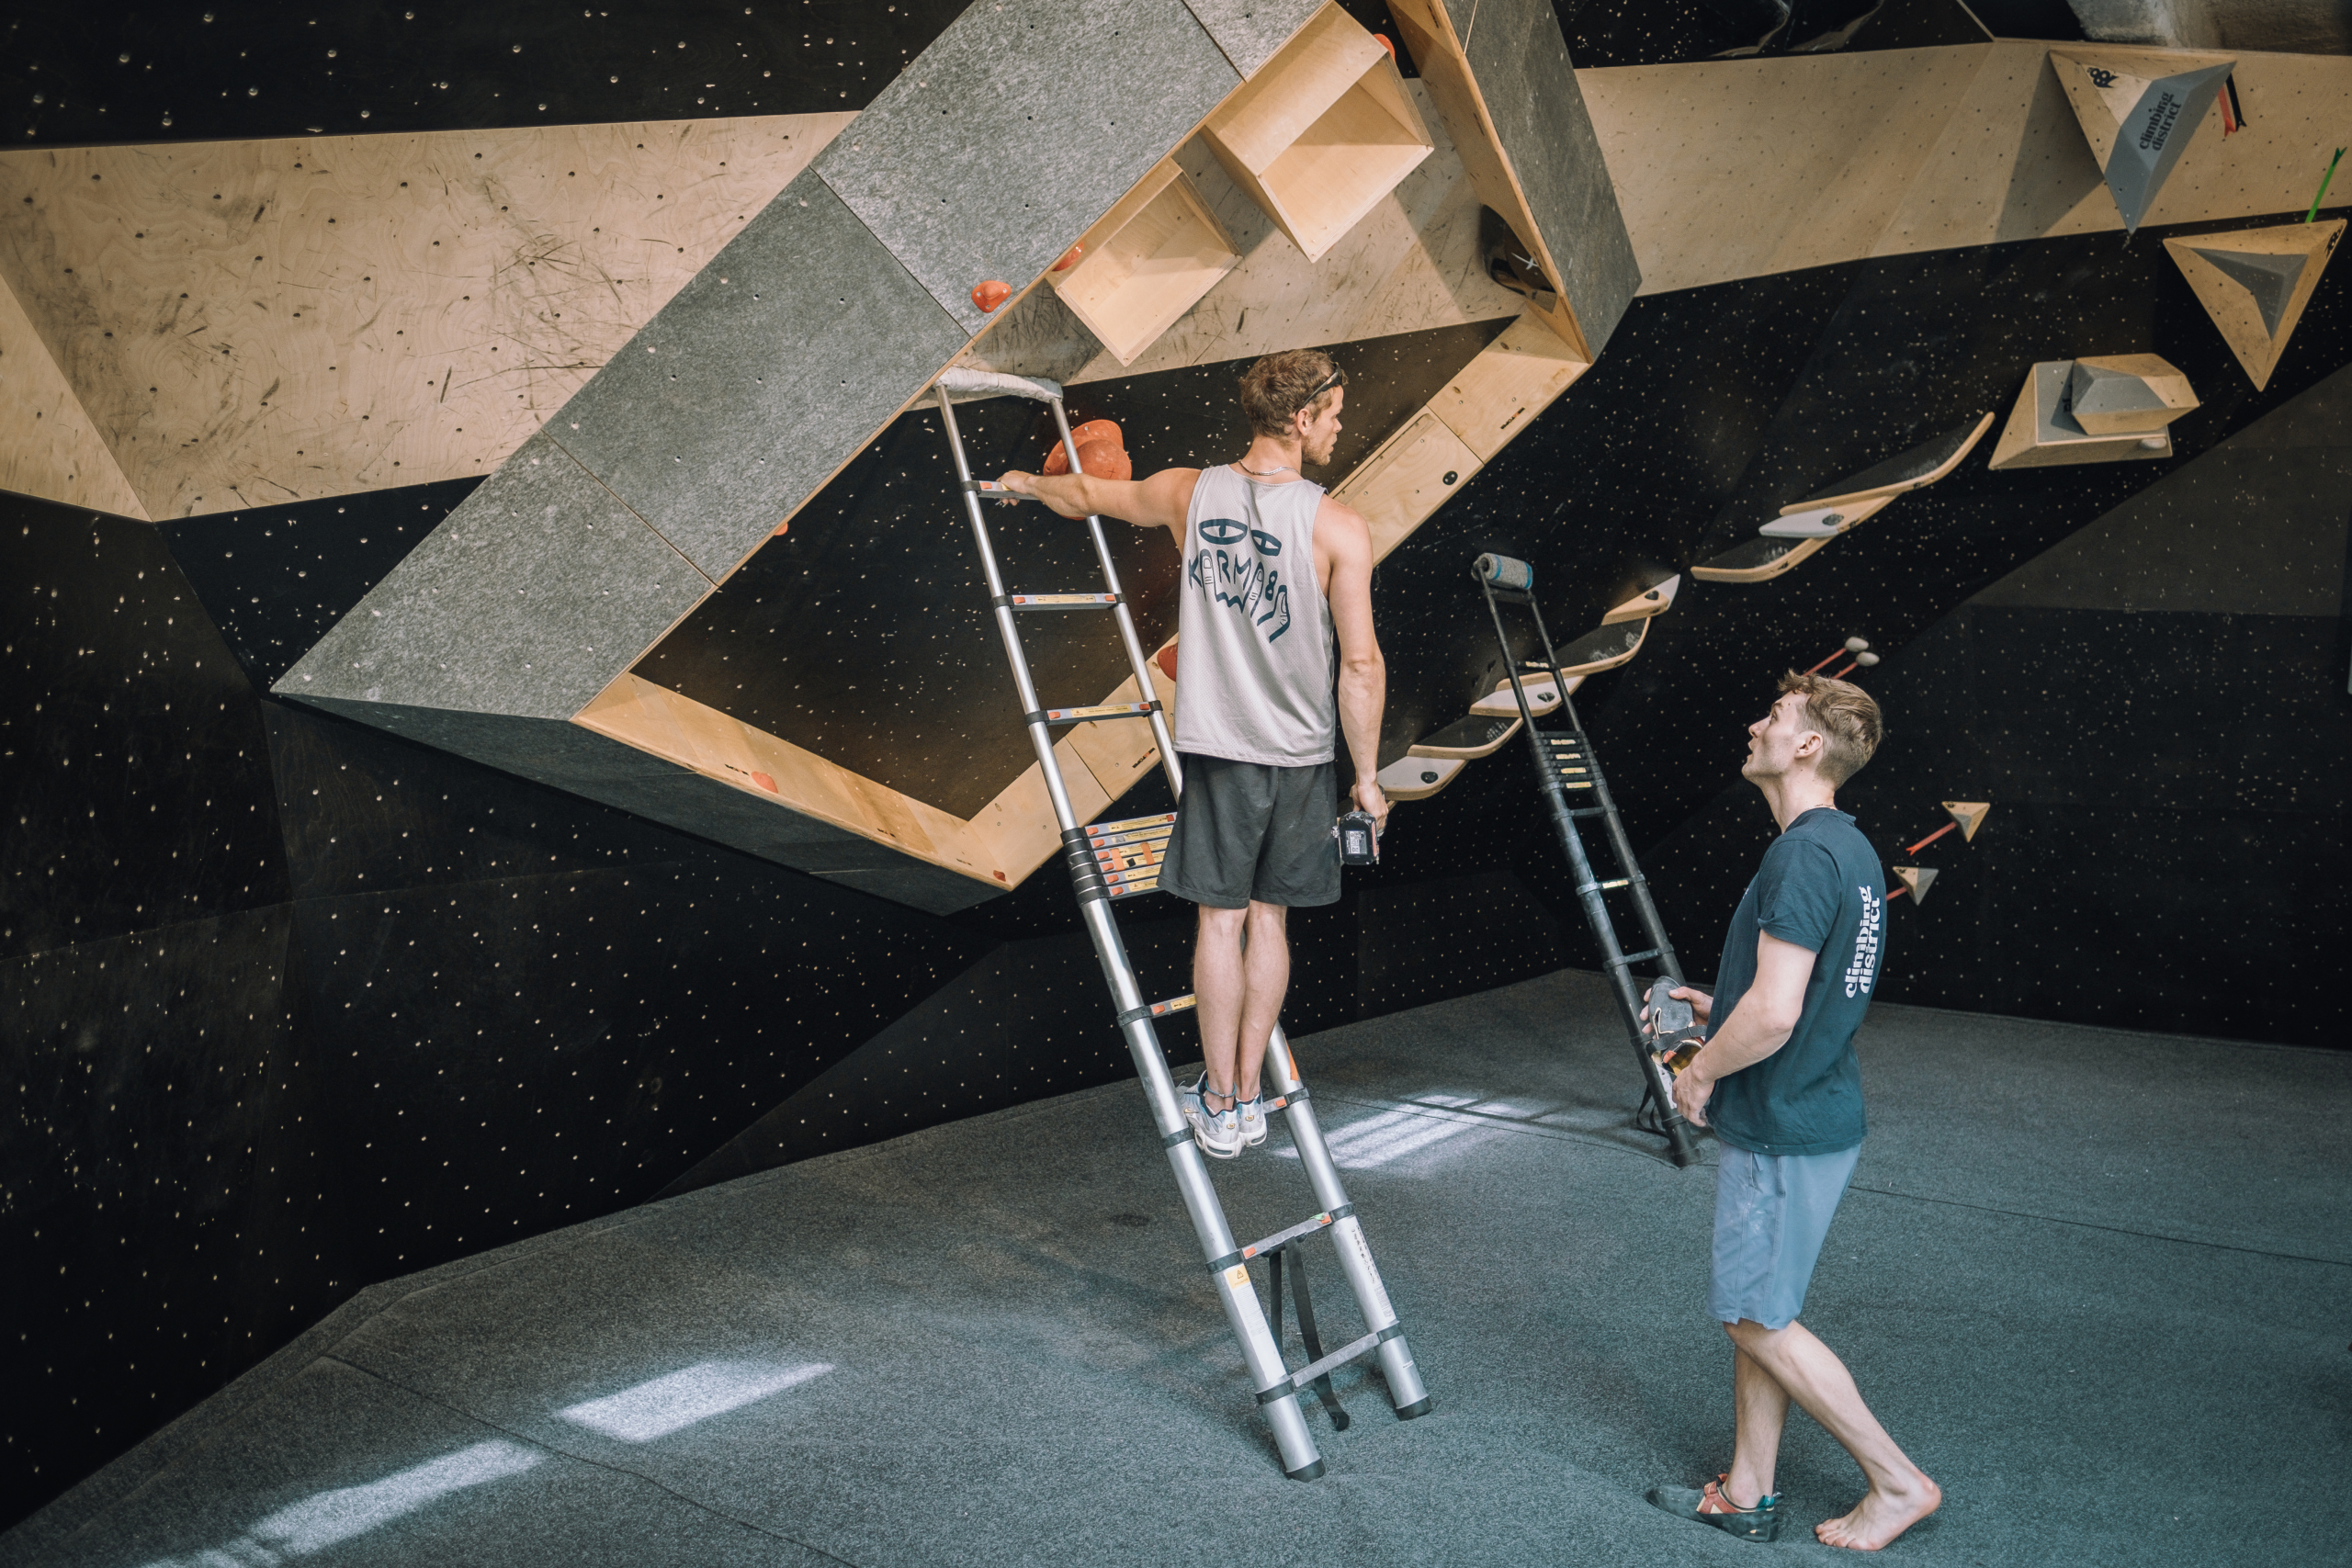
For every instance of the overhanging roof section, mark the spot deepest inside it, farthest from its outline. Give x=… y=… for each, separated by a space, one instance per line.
x=801 y=339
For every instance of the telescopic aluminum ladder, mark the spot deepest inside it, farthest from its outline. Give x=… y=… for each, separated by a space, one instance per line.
x=1109 y=861
x=1564 y=763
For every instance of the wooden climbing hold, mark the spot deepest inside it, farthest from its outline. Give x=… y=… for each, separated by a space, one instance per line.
x=990 y=295
x=2253 y=283
x=1915 y=880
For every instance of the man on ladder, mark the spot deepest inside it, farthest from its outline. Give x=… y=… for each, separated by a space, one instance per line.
x=1272 y=568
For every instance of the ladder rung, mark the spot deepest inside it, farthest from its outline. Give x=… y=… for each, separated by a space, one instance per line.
x=1132 y=827
x=1280 y=1239
x=1617 y=882
x=1057 y=601
x=1173 y=1004
x=1642 y=957
x=1127 y=883
x=1336 y=1360
x=1091 y=715
x=1588 y=811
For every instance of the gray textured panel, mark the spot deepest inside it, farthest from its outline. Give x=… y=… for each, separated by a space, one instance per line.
x=1249 y=31
x=734 y=404
x=528 y=599
x=1019 y=127
x=1521 y=66
x=580 y=761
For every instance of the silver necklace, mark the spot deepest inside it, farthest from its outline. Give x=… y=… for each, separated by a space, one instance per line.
x=1261 y=473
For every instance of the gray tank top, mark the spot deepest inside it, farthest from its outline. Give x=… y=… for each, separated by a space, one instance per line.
x=1254 y=646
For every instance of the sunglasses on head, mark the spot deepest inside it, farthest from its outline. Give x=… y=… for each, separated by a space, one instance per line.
x=1337 y=378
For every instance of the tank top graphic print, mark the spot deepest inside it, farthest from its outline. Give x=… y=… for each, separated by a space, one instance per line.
x=1254 y=645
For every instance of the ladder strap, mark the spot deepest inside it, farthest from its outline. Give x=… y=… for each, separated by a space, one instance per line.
x=1337 y=1359
x=1090 y=715
x=1629 y=960
x=1054 y=601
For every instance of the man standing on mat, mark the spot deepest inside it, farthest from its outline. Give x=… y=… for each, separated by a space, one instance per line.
x=1786 y=1094
x=1273 y=567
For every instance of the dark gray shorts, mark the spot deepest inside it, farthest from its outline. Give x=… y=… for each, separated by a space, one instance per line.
x=1247 y=832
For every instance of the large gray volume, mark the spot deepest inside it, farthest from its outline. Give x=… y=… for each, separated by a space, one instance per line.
x=527 y=600
x=736 y=403
x=1521 y=63
x=1019 y=127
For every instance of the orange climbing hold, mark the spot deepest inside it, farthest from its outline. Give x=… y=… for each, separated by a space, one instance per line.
x=990 y=295
x=1093 y=432
x=1106 y=461
x=1070 y=257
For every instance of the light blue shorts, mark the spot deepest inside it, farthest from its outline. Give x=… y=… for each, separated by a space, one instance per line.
x=1772 y=1213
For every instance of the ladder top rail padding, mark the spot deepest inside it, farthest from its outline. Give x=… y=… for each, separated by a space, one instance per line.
x=965 y=382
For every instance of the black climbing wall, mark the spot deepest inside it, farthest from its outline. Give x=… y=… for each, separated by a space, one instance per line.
x=2173 y=815
x=292 y=1007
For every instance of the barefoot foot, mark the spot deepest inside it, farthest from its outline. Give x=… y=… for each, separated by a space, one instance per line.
x=1881 y=1516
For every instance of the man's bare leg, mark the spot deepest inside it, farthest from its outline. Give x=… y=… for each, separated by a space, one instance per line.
x=1239 y=995
x=1265 y=980
x=1218 y=991
x=1810 y=1372
x=1761 y=1407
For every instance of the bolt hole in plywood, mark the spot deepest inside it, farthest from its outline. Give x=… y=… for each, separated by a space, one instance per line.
x=1321 y=133
x=1151 y=259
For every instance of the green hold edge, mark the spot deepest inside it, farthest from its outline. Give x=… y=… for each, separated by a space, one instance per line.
x=2323 y=181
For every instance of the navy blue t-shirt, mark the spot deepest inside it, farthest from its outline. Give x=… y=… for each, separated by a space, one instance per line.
x=1819 y=887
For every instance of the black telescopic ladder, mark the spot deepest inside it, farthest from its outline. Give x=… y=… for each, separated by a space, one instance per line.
x=1564 y=763
x=1116 y=860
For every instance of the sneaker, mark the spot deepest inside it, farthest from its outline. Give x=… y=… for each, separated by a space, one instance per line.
x=1217 y=1131
x=1253 y=1115
x=1709 y=1505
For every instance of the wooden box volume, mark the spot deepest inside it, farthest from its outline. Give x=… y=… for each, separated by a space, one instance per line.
x=1149 y=261
x=1321 y=132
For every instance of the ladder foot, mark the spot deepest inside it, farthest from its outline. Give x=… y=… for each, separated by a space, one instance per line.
x=1307 y=1472
x=1418 y=1407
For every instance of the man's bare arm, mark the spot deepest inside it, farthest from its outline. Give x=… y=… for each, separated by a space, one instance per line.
x=1342 y=539
x=1766 y=1015
x=1160 y=502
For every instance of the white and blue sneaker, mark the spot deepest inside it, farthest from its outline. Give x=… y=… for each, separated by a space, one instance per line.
x=1217 y=1131
x=1251 y=1113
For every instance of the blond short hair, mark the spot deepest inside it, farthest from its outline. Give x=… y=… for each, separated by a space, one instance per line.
x=1845 y=717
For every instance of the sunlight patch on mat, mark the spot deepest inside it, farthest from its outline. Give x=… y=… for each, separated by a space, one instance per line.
x=678 y=1401
x=324 y=1518
x=1398 y=1137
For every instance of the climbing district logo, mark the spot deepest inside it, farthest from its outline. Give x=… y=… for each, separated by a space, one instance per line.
x=1242 y=579
x=1864 y=968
